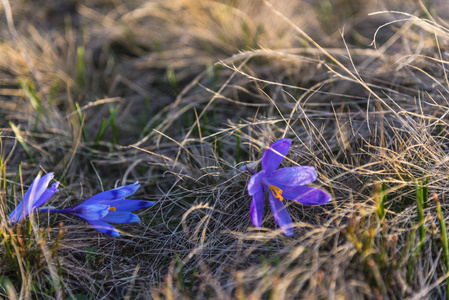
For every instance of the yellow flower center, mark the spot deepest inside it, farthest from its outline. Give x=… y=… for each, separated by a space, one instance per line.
x=112 y=208
x=277 y=192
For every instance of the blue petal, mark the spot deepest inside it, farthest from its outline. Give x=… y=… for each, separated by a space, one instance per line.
x=103 y=227
x=115 y=194
x=129 y=205
x=20 y=212
x=35 y=191
x=271 y=160
x=46 y=195
x=51 y=209
x=293 y=176
x=281 y=215
x=91 y=212
x=254 y=183
x=121 y=217
x=257 y=206
x=307 y=195
x=41 y=187
x=17 y=214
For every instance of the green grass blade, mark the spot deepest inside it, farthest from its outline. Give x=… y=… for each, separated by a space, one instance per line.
x=3 y=167
x=180 y=272
x=81 y=56
x=21 y=140
x=172 y=80
x=83 y=125
x=411 y=262
x=421 y=228
x=105 y=124
x=425 y=188
x=444 y=239
x=382 y=199
x=31 y=94
x=420 y=209
x=217 y=140
x=100 y=132
x=147 y=101
x=111 y=120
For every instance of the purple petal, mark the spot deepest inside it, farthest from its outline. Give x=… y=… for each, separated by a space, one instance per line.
x=35 y=191
x=46 y=195
x=281 y=215
x=307 y=195
x=129 y=205
x=103 y=227
x=51 y=209
x=41 y=187
x=91 y=212
x=21 y=210
x=293 y=176
x=115 y=194
x=257 y=206
x=255 y=184
x=272 y=159
x=17 y=214
x=120 y=217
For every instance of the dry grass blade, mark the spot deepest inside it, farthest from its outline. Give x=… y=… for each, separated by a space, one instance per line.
x=183 y=96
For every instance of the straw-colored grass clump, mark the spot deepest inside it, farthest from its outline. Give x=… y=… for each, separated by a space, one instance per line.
x=180 y=95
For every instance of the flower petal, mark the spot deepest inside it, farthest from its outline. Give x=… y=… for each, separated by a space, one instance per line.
x=41 y=187
x=281 y=215
x=257 y=206
x=103 y=227
x=21 y=210
x=35 y=191
x=46 y=195
x=129 y=205
x=121 y=217
x=307 y=195
x=272 y=159
x=293 y=176
x=17 y=214
x=115 y=194
x=254 y=183
x=91 y=212
x=51 y=209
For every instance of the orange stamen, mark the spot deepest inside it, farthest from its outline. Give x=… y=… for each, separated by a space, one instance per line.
x=277 y=192
x=112 y=208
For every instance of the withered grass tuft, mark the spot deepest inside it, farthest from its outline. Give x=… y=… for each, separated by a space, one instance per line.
x=179 y=95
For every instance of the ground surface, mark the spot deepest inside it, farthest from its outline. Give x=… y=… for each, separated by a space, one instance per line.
x=179 y=95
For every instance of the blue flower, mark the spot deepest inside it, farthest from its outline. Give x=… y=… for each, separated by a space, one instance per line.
x=286 y=183
x=109 y=206
x=35 y=196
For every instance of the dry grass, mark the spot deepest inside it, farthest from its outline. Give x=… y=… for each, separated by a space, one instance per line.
x=105 y=93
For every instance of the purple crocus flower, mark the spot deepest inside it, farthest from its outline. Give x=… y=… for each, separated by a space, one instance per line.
x=286 y=183
x=109 y=206
x=35 y=196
